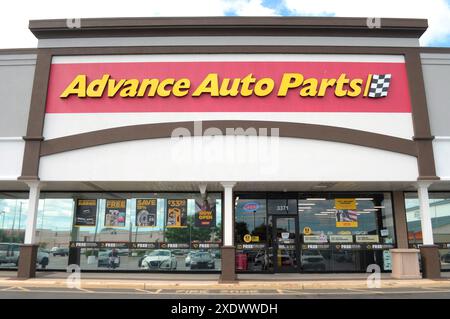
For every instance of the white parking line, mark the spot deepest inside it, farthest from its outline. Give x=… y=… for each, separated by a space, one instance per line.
x=149 y=291
x=85 y=290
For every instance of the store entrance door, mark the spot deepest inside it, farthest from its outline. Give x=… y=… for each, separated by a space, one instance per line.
x=286 y=250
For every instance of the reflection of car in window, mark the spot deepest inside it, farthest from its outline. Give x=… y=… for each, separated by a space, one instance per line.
x=286 y=258
x=159 y=259
x=343 y=256
x=261 y=260
x=187 y=260
x=202 y=260
x=10 y=252
x=60 y=252
x=104 y=259
x=445 y=261
x=313 y=260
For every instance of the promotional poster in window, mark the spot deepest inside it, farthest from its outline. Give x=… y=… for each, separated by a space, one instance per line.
x=176 y=213
x=115 y=212
x=86 y=213
x=146 y=212
x=205 y=213
x=346 y=216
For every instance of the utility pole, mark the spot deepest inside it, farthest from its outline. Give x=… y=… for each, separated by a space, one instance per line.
x=130 y=236
x=20 y=216
x=13 y=224
x=96 y=221
x=3 y=218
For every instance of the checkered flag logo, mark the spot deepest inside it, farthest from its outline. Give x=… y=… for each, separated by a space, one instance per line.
x=379 y=85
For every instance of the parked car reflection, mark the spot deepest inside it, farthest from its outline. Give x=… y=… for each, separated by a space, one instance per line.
x=313 y=260
x=10 y=252
x=202 y=260
x=445 y=261
x=109 y=259
x=159 y=259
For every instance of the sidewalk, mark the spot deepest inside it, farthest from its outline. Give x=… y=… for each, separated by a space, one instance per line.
x=210 y=281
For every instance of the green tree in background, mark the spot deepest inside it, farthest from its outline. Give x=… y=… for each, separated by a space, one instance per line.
x=7 y=237
x=241 y=230
x=182 y=235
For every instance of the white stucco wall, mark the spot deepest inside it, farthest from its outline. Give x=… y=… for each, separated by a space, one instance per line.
x=235 y=158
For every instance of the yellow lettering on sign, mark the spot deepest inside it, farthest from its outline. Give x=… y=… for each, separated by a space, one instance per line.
x=152 y=83
x=289 y=81
x=176 y=202
x=339 y=91
x=246 y=83
x=87 y=202
x=76 y=87
x=324 y=85
x=162 y=87
x=355 y=85
x=130 y=88
x=209 y=85
x=226 y=90
x=143 y=203
x=264 y=87
x=309 y=87
x=96 y=87
x=113 y=203
x=114 y=86
x=345 y=203
x=212 y=86
x=181 y=87
x=205 y=215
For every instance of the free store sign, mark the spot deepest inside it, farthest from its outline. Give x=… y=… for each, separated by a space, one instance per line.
x=228 y=86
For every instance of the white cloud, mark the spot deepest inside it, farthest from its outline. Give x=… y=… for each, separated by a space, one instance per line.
x=15 y=14
x=250 y=8
x=436 y=11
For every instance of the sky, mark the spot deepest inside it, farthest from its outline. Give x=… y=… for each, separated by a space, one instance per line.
x=15 y=15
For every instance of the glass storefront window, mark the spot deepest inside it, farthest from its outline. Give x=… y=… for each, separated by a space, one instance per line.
x=251 y=220
x=335 y=231
x=346 y=231
x=118 y=231
x=251 y=233
x=347 y=218
x=440 y=221
x=13 y=218
x=53 y=229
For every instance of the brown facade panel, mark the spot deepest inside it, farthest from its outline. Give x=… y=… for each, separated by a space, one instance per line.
x=164 y=130
x=229 y=49
x=421 y=122
x=27 y=261
x=228 y=274
x=427 y=170
x=431 y=262
x=30 y=166
x=227 y=26
x=401 y=226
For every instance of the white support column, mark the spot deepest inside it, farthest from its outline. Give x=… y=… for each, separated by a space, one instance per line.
x=33 y=203
x=228 y=219
x=425 y=218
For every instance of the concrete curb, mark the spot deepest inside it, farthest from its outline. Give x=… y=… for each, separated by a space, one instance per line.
x=203 y=285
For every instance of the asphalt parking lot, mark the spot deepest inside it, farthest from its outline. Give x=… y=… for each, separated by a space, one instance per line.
x=102 y=293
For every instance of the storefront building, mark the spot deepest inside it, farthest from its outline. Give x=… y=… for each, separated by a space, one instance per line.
x=224 y=145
